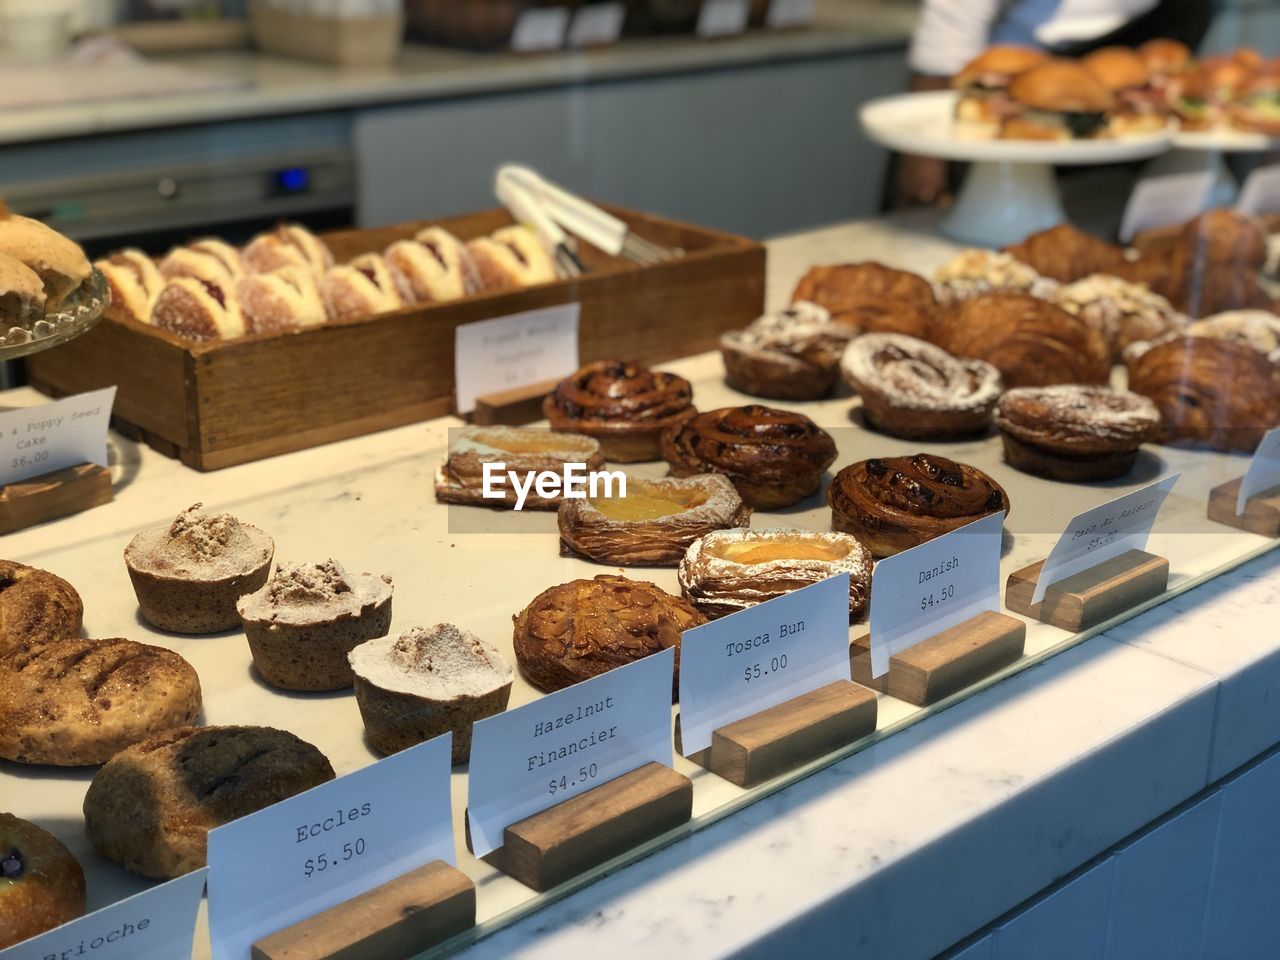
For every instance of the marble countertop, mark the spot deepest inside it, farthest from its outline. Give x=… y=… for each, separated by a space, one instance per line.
x=269 y=85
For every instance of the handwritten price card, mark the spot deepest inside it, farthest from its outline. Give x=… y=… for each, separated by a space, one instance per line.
x=531 y=758
x=514 y=351
x=762 y=656
x=1116 y=527
x=920 y=592
x=306 y=854
x=66 y=433
x=1263 y=472
x=157 y=924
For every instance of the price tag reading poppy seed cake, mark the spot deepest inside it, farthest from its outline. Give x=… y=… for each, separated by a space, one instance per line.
x=66 y=433
x=943 y=582
x=320 y=848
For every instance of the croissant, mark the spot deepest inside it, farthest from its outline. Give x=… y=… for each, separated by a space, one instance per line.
x=871 y=297
x=1066 y=253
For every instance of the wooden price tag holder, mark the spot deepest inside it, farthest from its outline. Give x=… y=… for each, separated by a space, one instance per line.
x=946 y=662
x=548 y=848
x=53 y=495
x=1090 y=596
x=512 y=408
x=769 y=743
x=1261 y=513
x=404 y=916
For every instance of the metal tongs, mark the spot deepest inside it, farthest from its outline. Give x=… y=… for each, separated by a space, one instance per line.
x=550 y=211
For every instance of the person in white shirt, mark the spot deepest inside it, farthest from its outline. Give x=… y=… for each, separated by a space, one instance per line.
x=950 y=33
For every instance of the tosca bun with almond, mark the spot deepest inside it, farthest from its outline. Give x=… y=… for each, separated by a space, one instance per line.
x=1060 y=100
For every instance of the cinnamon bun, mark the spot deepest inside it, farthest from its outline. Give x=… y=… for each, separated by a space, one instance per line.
x=871 y=297
x=790 y=355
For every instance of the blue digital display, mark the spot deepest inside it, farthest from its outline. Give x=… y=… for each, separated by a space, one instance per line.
x=294 y=179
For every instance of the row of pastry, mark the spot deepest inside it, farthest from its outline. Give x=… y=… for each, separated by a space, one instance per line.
x=287 y=279
x=39 y=269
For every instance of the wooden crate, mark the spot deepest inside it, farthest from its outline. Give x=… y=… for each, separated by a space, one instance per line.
x=219 y=404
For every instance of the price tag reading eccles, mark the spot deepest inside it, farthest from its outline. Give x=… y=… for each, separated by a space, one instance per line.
x=514 y=351
x=533 y=757
x=1263 y=472
x=760 y=657
x=336 y=841
x=1103 y=532
x=156 y=924
x=66 y=433
x=945 y=581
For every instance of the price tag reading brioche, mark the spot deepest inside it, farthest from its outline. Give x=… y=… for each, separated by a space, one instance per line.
x=1263 y=472
x=157 y=924
x=510 y=352
x=565 y=743
x=66 y=433
x=945 y=581
x=762 y=656
x=336 y=841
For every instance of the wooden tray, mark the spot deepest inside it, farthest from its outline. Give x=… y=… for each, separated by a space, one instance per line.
x=215 y=405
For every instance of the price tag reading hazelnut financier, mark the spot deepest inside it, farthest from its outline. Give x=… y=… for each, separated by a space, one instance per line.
x=535 y=756
x=760 y=657
x=156 y=924
x=66 y=433
x=945 y=581
x=336 y=841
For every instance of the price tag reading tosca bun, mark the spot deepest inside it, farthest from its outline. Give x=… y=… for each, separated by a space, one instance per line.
x=320 y=848
x=918 y=593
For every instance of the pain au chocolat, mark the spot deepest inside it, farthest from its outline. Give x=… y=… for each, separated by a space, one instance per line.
x=654 y=523
x=896 y=503
x=730 y=570
x=460 y=479
x=774 y=458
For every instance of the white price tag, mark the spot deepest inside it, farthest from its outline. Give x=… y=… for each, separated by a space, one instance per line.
x=157 y=924
x=1261 y=191
x=66 y=433
x=514 y=351
x=1104 y=532
x=789 y=13
x=920 y=592
x=597 y=24
x=723 y=18
x=531 y=758
x=1263 y=472
x=1161 y=201
x=540 y=29
x=762 y=656
x=303 y=855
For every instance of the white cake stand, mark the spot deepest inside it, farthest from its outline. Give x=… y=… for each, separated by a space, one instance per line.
x=76 y=315
x=1010 y=190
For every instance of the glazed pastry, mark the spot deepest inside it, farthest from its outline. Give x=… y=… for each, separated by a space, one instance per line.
x=871 y=297
x=59 y=262
x=189 y=575
x=73 y=702
x=1031 y=342
x=897 y=503
x=36 y=606
x=151 y=807
x=427 y=682
x=1066 y=254
x=1075 y=433
x=790 y=355
x=307 y=618
x=199 y=310
x=653 y=524
x=22 y=296
x=773 y=457
x=365 y=287
x=524 y=450
x=511 y=258
x=1209 y=391
x=436 y=266
x=284 y=300
x=584 y=628
x=730 y=570
x=41 y=883
x=625 y=406
x=912 y=389
x=135 y=283
x=288 y=245
x=975 y=271
x=1122 y=312
x=209 y=260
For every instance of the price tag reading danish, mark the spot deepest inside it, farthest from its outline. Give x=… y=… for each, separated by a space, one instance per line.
x=303 y=855
x=66 y=433
x=1116 y=527
x=1263 y=472
x=762 y=656
x=920 y=592
x=515 y=351
x=156 y=924
x=533 y=757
